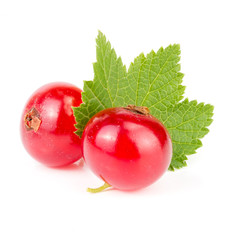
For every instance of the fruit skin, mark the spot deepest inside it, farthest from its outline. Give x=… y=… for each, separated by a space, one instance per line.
x=126 y=149
x=54 y=143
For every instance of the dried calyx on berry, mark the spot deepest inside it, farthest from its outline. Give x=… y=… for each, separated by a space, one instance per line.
x=32 y=120
x=140 y=110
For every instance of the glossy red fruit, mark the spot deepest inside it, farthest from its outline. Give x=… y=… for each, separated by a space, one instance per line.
x=47 y=125
x=126 y=147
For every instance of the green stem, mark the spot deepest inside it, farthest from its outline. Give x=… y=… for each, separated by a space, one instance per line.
x=100 y=189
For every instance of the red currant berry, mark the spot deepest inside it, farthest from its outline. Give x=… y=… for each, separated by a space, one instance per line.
x=47 y=125
x=126 y=147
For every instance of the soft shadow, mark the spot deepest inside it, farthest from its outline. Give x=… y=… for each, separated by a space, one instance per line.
x=170 y=184
x=73 y=167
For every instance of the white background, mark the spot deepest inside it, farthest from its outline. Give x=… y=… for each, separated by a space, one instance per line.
x=46 y=41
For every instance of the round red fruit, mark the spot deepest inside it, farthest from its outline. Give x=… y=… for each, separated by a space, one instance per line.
x=47 y=125
x=126 y=147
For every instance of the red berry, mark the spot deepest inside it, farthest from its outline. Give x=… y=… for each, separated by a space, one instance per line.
x=47 y=125
x=126 y=147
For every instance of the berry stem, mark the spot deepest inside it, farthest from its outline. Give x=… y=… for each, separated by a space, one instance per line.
x=100 y=189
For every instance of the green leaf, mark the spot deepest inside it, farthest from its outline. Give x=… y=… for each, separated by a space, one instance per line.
x=187 y=123
x=109 y=87
x=153 y=81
